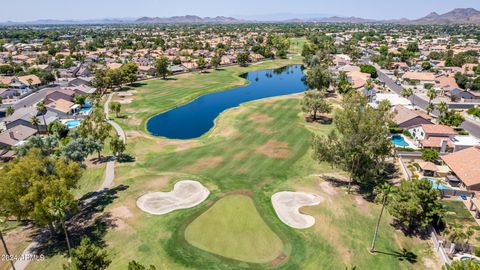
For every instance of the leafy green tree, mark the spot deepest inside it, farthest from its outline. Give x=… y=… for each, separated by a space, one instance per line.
x=29 y=185
x=79 y=99
x=46 y=144
x=68 y=63
x=451 y=118
x=415 y=204
x=161 y=64
x=442 y=107
x=369 y=69
x=426 y=65
x=243 y=58
x=201 y=64
x=430 y=155
x=115 y=107
x=95 y=126
x=360 y=143
x=58 y=129
x=344 y=86
x=464 y=265
x=129 y=72
x=101 y=81
x=115 y=78
x=88 y=256
x=319 y=78
x=216 y=61
x=79 y=148
x=314 y=102
x=9 y=111
x=118 y=146
x=133 y=265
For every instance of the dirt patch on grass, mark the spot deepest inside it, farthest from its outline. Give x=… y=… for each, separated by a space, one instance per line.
x=134 y=134
x=120 y=215
x=328 y=188
x=274 y=149
x=264 y=130
x=156 y=183
x=260 y=118
x=241 y=155
x=224 y=132
x=204 y=163
x=179 y=145
x=125 y=101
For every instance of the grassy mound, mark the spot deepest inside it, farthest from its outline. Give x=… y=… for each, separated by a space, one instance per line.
x=234 y=229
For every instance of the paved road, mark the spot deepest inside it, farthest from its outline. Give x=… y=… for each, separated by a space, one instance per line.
x=470 y=126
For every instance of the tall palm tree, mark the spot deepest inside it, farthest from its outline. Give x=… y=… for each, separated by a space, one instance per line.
x=442 y=107
x=10 y=110
x=41 y=108
x=431 y=94
x=57 y=209
x=382 y=194
x=455 y=234
x=407 y=93
x=2 y=221
x=35 y=122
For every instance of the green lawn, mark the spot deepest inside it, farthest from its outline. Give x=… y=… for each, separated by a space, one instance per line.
x=231 y=227
x=458 y=214
x=260 y=147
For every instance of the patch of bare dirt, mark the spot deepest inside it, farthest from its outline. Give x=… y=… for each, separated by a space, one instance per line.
x=179 y=145
x=260 y=118
x=264 y=130
x=328 y=188
x=204 y=163
x=134 y=134
x=119 y=215
x=157 y=183
x=241 y=155
x=274 y=149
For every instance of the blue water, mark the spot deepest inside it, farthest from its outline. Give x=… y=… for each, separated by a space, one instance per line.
x=88 y=103
x=194 y=119
x=434 y=184
x=86 y=111
x=72 y=123
x=399 y=141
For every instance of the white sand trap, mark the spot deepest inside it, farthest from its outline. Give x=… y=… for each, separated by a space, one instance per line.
x=287 y=205
x=185 y=194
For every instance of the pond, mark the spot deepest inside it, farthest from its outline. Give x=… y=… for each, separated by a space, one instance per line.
x=194 y=119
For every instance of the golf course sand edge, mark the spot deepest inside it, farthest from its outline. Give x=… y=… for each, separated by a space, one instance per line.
x=287 y=205
x=185 y=194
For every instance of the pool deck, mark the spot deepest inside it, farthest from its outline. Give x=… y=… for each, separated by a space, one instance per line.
x=407 y=140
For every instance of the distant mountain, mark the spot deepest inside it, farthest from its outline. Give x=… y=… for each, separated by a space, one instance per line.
x=456 y=16
x=72 y=22
x=188 y=19
x=334 y=19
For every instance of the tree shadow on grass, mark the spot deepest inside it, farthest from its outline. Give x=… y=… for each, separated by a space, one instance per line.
x=402 y=255
x=89 y=222
x=137 y=84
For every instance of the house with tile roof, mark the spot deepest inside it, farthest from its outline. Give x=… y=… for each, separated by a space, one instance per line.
x=464 y=166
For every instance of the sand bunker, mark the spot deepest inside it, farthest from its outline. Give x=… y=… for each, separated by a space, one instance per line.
x=287 y=205
x=185 y=194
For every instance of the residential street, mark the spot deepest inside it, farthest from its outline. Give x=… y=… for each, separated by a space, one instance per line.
x=471 y=127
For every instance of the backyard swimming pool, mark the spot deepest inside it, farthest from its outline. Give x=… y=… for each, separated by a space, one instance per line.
x=72 y=123
x=398 y=140
x=434 y=183
x=85 y=111
x=194 y=119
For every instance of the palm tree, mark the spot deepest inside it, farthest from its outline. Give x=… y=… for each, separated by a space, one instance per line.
x=2 y=221
x=41 y=108
x=442 y=107
x=407 y=93
x=431 y=94
x=10 y=110
x=369 y=85
x=58 y=210
x=382 y=194
x=455 y=234
x=35 y=122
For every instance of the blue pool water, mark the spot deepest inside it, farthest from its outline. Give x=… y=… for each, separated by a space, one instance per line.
x=194 y=119
x=434 y=184
x=85 y=111
x=88 y=103
x=72 y=123
x=399 y=141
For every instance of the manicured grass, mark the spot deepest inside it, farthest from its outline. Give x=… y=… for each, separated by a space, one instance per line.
x=458 y=214
x=262 y=147
x=91 y=180
x=231 y=228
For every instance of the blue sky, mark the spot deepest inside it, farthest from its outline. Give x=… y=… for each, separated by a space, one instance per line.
x=27 y=10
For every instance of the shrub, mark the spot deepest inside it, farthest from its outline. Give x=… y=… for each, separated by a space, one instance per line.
x=407 y=133
x=477 y=251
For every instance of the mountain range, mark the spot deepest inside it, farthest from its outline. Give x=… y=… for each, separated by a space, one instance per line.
x=456 y=16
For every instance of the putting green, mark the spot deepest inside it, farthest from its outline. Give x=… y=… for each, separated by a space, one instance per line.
x=233 y=228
